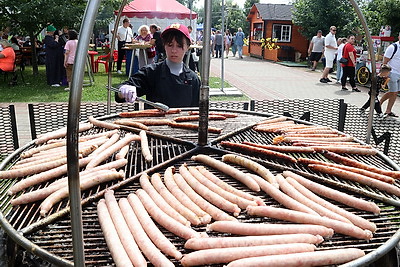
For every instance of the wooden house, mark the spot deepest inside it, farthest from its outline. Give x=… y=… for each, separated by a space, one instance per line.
x=275 y=21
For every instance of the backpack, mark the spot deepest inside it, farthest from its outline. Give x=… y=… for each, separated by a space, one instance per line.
x=394 y=51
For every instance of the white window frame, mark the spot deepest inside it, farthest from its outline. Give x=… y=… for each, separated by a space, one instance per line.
x=285 y=28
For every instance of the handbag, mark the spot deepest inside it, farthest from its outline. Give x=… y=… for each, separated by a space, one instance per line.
x=151 y=52
x=343 y=60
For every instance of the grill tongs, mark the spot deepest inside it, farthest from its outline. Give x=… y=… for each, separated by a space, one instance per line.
x=157 y=105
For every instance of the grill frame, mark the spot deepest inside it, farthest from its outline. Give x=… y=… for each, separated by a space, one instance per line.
x=90 y=201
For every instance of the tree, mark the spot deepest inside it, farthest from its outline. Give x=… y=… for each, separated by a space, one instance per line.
x=383 y=12
x=247 y=6
x=314 y=15
x=31 y=17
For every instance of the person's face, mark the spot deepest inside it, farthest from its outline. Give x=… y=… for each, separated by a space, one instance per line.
x=352 y=39
x=143 y=31
x=385 y=73
x=176 y=52
x=126 y=24
x=153 y=30
x=319 y=34
x=333 y=31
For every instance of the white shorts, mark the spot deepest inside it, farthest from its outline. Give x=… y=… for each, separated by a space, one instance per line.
x=394 y=82
x=329 y=60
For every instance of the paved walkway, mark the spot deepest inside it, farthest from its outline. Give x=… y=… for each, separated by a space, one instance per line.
x=258 y=79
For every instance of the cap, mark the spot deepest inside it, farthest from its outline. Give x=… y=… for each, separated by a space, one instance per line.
x=319 y=31
x=177 y=27
x=51 y=28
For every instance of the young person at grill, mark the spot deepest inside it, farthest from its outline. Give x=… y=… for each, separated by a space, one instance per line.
x=170 y=82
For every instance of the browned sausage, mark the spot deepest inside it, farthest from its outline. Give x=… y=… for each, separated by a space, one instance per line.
x=316 y=258
x=196 y=118
x=195 y=127
x=239 y=228
x=229 y=170
x=333 y=194
x=103 y=124
x=301 y=217
x=284 y=149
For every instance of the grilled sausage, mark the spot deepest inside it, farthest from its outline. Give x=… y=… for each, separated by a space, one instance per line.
x=239 y=228
x=103 y=124
x=225 y=255
x=163 y=219
x=173 y=201
x=316 y=258
x=354 y=219
x=148 y=248
x=301 y=217
x=151 y=229
x=124 y=234
x=284 y=149
x=334 y=194
x=253 y=166
x=207 y=194
x=160 y=201
x=114 y=244
x=145 y=146
x=250 y=241
x=229 y=170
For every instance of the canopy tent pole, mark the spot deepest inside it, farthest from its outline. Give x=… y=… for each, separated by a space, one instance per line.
x=205 y=74
x=111 y=57
x=373 y=68
x=72 y=131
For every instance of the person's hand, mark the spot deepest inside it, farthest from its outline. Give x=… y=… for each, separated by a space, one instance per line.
x=128 y=92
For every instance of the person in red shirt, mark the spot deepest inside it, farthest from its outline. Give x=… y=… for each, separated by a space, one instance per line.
x=7 y=57
x=349 y=69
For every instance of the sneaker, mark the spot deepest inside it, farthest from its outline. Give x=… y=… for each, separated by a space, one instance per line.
x=344 y=89
x=56 y=85
x=66 y=89
x=119 y=72
x=355 y=89
x=313 y=69
x=363 y=110
x=380 y=115
x=323 y=80
x=390 y=114
x=327 y=79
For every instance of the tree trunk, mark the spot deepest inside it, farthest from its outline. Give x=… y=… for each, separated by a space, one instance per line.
x=35 y=68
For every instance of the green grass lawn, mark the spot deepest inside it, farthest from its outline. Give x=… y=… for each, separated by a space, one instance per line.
x=37 y=90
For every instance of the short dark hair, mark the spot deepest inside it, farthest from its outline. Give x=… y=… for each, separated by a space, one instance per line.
x=190 y=27
x=153 y=26
x=385 y=67
x=179 y=37
x=125 y=20
x=72 y=35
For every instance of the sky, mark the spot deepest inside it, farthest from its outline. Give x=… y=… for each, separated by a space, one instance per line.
x=241 y=2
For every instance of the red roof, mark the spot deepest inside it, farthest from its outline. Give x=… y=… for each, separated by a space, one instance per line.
x=170 y=9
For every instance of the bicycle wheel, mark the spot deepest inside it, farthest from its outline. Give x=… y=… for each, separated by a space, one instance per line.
x=363 y=75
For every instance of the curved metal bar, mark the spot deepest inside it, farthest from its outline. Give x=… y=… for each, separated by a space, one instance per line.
x=72 y=131
x=111 y=58
x=373 y=66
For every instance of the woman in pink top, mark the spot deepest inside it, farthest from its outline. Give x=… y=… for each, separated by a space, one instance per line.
x=69 y=55
x=144 y=37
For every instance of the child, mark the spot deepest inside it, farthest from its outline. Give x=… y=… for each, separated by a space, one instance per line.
x=381 y=82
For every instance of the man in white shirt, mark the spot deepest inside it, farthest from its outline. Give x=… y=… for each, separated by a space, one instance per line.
x=330 y=51
x=316 y=49
x=124 y=35
x=392 y=58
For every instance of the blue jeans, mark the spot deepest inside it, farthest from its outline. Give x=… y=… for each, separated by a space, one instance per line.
x=339 y=71
x=240 y=50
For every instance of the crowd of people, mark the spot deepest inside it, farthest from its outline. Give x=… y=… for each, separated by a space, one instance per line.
x=342 y=50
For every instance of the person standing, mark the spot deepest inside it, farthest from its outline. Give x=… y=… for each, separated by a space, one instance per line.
x=145 y=37
x=54 y=57
x=7 y=58
x=69 y=55
x=339 y=69
x=233 y=44
x=329 y=53
x=157 y=42
x=392 y=58
x=219 y=40
x=349 y=69
x=170 y=82
x=227 y=42
x=316 y=49
x=212 y=43
x=124 y=35
x=239 y=42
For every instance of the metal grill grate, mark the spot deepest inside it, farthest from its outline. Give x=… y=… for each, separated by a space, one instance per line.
x=8 y=131
x=320 y=111
x=46 y=117
x=356 y=125
x=57 y=237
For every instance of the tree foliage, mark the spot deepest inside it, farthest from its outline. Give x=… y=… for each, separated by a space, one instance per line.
x=314 y=15
x=383 y=12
